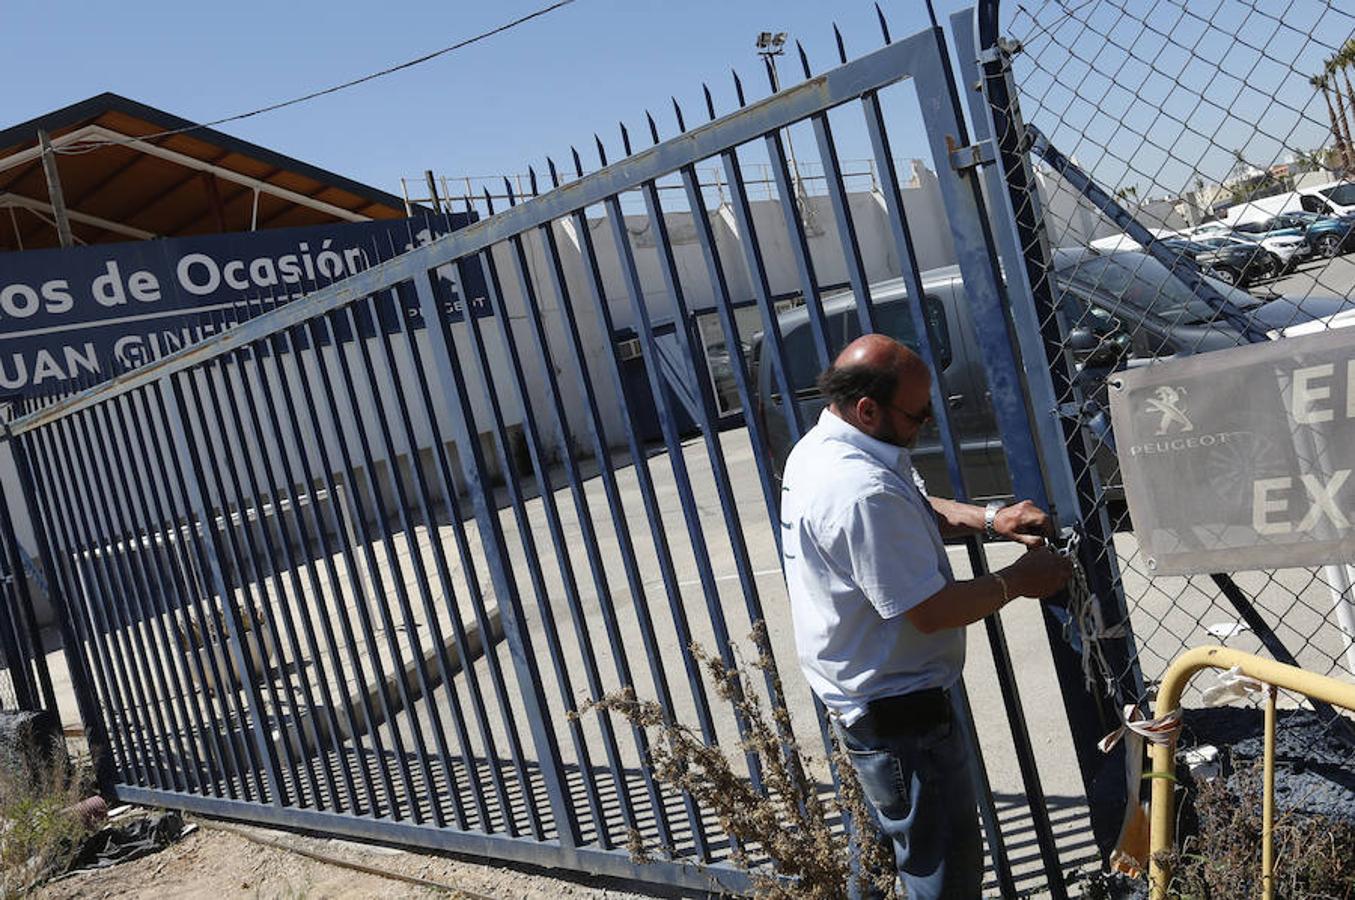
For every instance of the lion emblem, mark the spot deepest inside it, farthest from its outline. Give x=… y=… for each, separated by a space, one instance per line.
x=1167 y=402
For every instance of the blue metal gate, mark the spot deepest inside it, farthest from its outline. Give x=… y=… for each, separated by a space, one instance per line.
x=315 y=571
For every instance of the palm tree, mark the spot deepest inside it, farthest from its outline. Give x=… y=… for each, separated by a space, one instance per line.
x=1345 y=58
x=1329 y=70
x=1320 y=81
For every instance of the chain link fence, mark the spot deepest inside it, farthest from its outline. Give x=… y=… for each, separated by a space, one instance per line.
x=1216 y=139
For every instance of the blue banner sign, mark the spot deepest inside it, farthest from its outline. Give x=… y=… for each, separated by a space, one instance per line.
x=71 y=317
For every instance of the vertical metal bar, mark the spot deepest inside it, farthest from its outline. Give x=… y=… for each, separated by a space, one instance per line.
x=903 y=243
x=564 y=440
x=118 y=627
x=1089 y=716
x=439 y=561
x=527 y=536
x=535 y=445
x=416 y=555
x=201 y=594
x=667 y=423
x=23 y=600
x=790 y=193
x=773 y=347
x=747 y=391
x=316 y=599
x=724 y=488
x=250 y=569
x=166 y=527
x=654 y=513
x=846 y=227
x=635 y=582
x=442 y=356
x=16 y=662
x=146 y=611
x=482 y=619
x=283 y=345
x=247 y=460
x=102 y=751
x=86 y=593
x=1073 y=480
x=1268 y=800
x=983 y=789
x=318 y=339
x=182 y=437
x=105 y=531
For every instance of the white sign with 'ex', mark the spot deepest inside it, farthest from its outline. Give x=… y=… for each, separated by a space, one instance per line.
x=1242 y=458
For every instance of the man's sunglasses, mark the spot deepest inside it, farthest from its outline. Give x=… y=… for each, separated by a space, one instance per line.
x=917 y=418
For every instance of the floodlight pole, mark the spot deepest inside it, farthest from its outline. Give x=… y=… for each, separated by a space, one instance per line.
x=769 y=51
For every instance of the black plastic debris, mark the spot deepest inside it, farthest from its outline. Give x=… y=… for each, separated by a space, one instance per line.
x=125 y=842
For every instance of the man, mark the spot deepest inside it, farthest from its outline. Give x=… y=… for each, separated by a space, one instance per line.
x=879 y=617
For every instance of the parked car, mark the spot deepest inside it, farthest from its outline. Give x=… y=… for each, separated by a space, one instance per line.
x=1335 y=199
x=1286 y=236
x=1119 y=306
x=1293 y=248
x=1327 y=235
x=1239 y=263
x=1288 y=249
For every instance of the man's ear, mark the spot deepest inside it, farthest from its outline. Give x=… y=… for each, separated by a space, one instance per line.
x=867 y=411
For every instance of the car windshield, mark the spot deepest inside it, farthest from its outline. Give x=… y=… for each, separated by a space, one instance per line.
x=1143 y=283
x=1343 y=194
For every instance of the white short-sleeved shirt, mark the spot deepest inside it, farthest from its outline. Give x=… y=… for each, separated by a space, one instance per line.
x=861 y=547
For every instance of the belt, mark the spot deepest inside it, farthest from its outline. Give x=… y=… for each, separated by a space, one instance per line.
x=904 y=714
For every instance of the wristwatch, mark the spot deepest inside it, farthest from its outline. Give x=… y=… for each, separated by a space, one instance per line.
x=990 y=517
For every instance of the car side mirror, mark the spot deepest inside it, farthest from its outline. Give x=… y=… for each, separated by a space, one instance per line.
x=1097 y=351
x=1082 y=340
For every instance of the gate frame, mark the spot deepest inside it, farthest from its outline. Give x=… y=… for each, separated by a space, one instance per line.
x=923 y=58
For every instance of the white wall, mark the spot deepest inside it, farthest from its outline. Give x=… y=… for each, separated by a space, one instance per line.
x=933 y=246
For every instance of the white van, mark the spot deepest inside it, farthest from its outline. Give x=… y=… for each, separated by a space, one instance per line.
x=1335 y=199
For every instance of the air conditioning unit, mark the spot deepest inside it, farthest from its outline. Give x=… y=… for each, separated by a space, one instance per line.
x=628 y=349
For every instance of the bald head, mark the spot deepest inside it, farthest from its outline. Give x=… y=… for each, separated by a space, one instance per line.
x=880 y=353
x=871 y=375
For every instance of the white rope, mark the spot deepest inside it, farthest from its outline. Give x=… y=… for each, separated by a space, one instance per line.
x=1161 y=730
x=1085 y=615
x=1232 y=685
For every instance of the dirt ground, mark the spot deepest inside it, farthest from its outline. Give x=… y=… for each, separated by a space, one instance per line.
x=210 y=863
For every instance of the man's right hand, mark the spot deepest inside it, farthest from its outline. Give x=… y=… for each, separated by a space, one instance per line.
x=1038 y=573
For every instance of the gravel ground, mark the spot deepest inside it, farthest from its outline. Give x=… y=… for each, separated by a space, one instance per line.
x=212 y=863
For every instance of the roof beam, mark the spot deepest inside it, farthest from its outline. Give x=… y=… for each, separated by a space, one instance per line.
x=228 y=175
x=44 y=210
x=100 y=133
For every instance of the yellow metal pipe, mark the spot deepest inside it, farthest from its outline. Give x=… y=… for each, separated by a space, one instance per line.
x=1174 y=683
x=1268 y=802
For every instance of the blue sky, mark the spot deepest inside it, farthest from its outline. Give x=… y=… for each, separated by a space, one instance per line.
x=508 y=102
x=490 y=108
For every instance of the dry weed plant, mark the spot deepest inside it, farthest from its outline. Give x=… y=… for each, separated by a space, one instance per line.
x=39 y=834
x=789 y=823
x=1314 y=855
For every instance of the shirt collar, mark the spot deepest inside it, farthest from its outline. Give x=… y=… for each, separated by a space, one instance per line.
x=891 y=456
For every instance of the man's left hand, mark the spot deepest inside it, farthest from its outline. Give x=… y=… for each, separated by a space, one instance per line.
x=1024 y=523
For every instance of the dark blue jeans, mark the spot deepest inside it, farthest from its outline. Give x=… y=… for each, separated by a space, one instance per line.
x=919 y=788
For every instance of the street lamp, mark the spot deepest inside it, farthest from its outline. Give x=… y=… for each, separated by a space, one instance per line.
x=770 y=45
